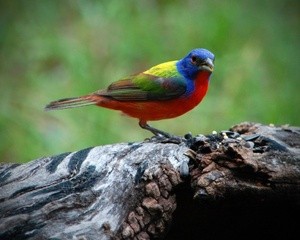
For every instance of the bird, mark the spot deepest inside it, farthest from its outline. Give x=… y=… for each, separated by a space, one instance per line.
x=164 y=91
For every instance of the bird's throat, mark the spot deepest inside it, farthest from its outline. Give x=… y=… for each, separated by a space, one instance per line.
x=200 y=88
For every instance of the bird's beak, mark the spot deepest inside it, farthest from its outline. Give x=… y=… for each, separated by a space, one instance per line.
x=207 y=65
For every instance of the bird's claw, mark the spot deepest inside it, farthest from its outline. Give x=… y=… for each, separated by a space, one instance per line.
x=166 y=139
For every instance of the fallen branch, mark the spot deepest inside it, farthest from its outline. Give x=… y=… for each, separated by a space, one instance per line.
x=130 y=191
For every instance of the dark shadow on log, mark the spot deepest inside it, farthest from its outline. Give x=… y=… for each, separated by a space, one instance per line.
x=244 y=216
x=242 y=183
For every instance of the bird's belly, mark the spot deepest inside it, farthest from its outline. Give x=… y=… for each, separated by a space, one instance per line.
x=155 y=110
x=151 y=111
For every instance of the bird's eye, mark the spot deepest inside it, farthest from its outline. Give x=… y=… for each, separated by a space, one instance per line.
x=194 y=60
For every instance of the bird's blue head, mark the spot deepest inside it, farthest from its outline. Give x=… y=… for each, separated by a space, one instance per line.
x=196 y=61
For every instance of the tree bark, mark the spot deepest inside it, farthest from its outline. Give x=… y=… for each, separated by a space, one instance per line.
x=131 y=191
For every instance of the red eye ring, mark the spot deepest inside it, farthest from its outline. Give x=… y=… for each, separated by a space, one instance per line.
x=194 y=59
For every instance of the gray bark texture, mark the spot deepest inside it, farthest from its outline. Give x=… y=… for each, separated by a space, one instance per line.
x=158 y=189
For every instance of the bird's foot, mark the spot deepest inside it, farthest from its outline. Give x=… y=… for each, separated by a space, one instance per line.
x=167 y=139
x=164 y=137
x=188 y=139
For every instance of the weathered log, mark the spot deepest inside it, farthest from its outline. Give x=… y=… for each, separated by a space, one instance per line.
x=130 y=191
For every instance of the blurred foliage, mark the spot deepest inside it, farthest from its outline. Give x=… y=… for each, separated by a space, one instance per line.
x=51 y=49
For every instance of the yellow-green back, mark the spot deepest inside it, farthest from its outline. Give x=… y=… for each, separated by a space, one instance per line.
x=167 y=69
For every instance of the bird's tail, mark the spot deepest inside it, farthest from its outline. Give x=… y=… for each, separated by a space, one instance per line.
x=70 y=103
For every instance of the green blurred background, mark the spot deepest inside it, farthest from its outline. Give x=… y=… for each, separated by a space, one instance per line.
x=51 y=49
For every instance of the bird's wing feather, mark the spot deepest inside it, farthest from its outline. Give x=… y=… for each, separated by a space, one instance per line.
x=162 y=82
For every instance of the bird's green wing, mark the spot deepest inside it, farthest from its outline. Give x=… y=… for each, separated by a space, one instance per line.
x=162 y=82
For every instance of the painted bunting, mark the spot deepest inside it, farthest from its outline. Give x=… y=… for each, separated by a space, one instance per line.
x=164 y=91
